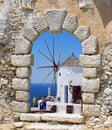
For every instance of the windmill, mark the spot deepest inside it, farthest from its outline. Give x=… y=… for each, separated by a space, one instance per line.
x=54 y=66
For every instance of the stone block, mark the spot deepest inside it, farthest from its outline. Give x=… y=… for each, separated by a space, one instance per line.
x=68 y=118
x=18 y=124
x=91 y=85
x=55 y=19
x=30 y=117
x=108 y=91
x=82 y=33
x=89 y=46
x=22 y=96
x=22 y=46
x=23 y=72
x=22 y=107
x=30 y=34
x=40 y=24
x=3 y=39
x=88 y=98
x=87 y=4
x=89 y=61
x=90 y=72
x=70 y=24
x=22 y=60
x=21 y=84
x=91 y=110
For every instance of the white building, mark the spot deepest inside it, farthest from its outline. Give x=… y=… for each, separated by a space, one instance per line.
x=69 y=73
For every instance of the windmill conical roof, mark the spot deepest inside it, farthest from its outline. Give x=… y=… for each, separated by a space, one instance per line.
x=71 y=61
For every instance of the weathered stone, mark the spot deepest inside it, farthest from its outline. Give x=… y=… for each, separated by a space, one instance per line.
x=89 y=46
x=63 y=118
x=22 y=96
x=23 y=72
x=18 y=124
x=88 y=97
x=70 y=24
x=30 y=117
x=90 y=61
x=40 y=24
x=48 y=126
x=20 y=106
x=22 y=60
x=91 y=85
x=20 y=84
x=55 y=19
x=108 y=122
x=86 y=3
x=90 y=72
x=4 y=81
x=91 y=110
x=82 y=33
x=108 y=91
x=1 y=115
x=30 y=34
x=22 y=46
x=107 y=54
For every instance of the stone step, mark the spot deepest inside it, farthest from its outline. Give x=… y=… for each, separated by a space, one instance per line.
x=46 y=126
x=56 y=117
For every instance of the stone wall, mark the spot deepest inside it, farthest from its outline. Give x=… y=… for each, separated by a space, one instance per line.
x=93 y=13
x=19 y=27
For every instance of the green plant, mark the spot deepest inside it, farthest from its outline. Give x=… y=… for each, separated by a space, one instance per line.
x=52 y=122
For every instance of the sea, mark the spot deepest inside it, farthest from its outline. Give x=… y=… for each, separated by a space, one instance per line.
x=37 y=90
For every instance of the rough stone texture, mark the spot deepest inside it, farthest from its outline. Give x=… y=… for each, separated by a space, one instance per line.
x=90 y=72
x=3 y=28
x=20 y=84
x=30 y=117
x=40 y=24
x=86 y=4
x=68 y=118
x=108 y=91
x=30 y=34
x=108 y=122
x=88 y=98
x=22 y=96
x=22 y=46
x=98 y=19
x=89 y=46
x=55 y=19
x=20 y=106
x=70 y=24
x=82 y=33
x=88 y=61
x=55 y=126
x=23 y=72
x=91 y=110
x=22 y=60
x=91 y=85
x=18 y=124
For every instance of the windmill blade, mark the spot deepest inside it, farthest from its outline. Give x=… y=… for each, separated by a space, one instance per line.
x=47 y=75
x=42 y=67
x=45 y=56
x=59 y=56
x=49 y=52
x=54 y=78
x=53 y=49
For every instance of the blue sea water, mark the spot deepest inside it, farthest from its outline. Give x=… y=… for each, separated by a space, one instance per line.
x=37 y=90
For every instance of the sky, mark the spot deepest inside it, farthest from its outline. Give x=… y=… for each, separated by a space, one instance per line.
x=64 y=44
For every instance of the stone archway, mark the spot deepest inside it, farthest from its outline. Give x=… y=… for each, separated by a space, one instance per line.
x=55 y=20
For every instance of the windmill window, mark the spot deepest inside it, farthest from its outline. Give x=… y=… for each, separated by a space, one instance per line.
x=59 y=74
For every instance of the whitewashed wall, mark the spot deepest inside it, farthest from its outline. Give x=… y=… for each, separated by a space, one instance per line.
x=66 y=74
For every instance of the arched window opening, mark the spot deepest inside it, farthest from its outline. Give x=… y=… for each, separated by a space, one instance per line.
x=56 y=71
